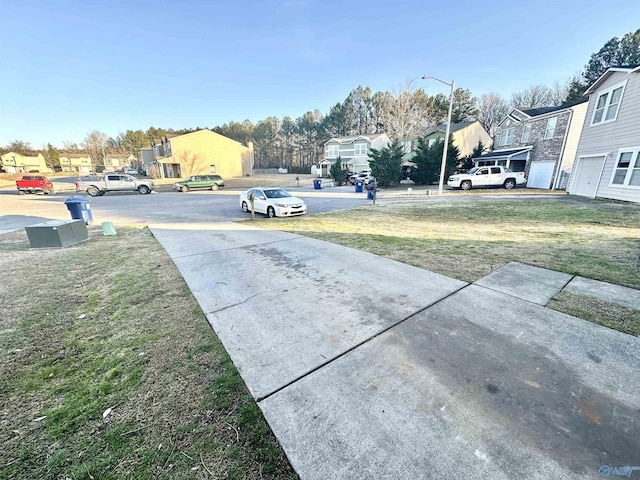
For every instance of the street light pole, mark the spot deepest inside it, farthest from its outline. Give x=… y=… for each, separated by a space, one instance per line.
x=446 y=135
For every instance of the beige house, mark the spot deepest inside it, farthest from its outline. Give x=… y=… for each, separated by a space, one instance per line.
x=201 y=152
x=76 y=162
x=115 y=162
x=13 y=162
x=466 y=136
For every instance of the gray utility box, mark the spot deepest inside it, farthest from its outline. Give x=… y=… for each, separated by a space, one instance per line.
x=57 y=233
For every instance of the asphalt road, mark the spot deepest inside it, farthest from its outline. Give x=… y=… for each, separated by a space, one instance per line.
x=17 y=211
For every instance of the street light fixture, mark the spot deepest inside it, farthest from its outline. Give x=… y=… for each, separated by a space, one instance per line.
x=446 y=135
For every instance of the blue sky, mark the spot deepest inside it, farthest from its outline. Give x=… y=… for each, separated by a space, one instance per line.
x=70 y=67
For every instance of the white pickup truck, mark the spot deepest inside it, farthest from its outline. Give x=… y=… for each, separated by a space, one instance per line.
x=492 y=176
x=113 y=182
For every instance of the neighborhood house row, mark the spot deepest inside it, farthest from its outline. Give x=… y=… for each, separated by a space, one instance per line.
x=590 y=147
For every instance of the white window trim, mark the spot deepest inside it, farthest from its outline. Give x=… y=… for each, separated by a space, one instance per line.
x=509 y=138
x=357 y=148
x=524 y=129
x=330 y=149
x=635 y=151
x=546 y=129
x=598 y=94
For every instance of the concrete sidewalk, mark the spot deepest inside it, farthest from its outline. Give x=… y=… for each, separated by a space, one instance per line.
x=366 y=368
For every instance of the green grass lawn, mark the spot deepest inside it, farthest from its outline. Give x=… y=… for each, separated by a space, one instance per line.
x=110 y=324
x=468 y=238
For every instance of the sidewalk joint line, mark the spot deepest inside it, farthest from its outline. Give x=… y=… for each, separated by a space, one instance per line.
x=358 y=345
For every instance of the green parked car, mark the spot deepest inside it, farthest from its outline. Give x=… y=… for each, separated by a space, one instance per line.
x=210 y=182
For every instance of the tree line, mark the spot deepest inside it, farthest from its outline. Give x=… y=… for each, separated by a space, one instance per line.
x=403 y=112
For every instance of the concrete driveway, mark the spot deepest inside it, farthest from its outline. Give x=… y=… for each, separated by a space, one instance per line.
x=366 y=368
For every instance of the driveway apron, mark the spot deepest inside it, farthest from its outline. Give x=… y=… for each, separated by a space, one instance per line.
x=369 y=368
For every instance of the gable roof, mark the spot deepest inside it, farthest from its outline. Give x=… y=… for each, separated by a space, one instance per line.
x=610 y=71
x=353 y=138
x=535 y=112
x=443 y=128
x=529 y=113
x=503 y=153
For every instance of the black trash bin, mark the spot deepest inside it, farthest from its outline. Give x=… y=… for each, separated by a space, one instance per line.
x=317 y=184
x=80 y=208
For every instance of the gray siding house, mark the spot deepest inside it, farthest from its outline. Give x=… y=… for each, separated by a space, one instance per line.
x=608 y=156
x=539 y=141
x=353 y=151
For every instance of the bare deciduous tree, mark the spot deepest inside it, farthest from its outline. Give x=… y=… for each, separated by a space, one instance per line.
x=534 y=96
x=96 y=144
x=492 y=108
x=404 y=111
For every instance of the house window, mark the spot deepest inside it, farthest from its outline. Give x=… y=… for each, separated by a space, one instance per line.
x=627 y=169
x=526 y=133
x=607 y=105
x=360 y=149
x=212 y=169
x=406 y=146
x=432 y=142
x=551 y=128
x=506 y=136
x=332 y=150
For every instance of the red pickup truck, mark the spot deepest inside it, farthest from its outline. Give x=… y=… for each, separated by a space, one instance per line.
x=34 y=184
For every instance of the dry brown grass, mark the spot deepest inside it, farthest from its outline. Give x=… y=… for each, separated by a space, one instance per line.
x=468 y=239
x=143 y=348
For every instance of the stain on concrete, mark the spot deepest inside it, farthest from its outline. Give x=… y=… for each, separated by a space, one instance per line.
x=526 y=390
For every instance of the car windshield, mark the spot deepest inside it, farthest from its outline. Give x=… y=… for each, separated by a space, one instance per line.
x=473 y=170
x=276 y=193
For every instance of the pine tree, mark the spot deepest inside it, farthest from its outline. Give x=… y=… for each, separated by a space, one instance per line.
x=386 y=164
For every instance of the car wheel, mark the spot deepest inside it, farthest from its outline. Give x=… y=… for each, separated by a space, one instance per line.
x=21 y=192
x=466 y=185
x=184 y=188
x=214 y=186
x=245 y=207
x=143 y=189
x=509 y=183
x=93 y=191
x=271 y=213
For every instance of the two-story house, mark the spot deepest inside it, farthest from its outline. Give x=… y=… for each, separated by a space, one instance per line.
x=13 y=162
x=200 y=152
x=117 y=162
x=608 y=156
x=76 y=162
x=539 y=141
x=466 y=136
x=353 y=151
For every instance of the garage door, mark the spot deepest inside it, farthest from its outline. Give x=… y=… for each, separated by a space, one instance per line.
x=540 y=174
x=588 y=176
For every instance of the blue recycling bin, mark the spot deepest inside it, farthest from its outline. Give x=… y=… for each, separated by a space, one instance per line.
x=317 y=184
x=359 y=184
x=79 y=207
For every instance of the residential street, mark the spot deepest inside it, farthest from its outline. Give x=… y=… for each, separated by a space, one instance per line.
x=406 y=374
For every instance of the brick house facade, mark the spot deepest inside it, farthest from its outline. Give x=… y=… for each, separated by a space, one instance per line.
x=541 y=142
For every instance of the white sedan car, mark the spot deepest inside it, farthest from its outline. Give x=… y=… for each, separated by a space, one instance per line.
x=273 y=202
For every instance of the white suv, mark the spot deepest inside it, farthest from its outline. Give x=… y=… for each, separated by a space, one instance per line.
x=362 y=175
